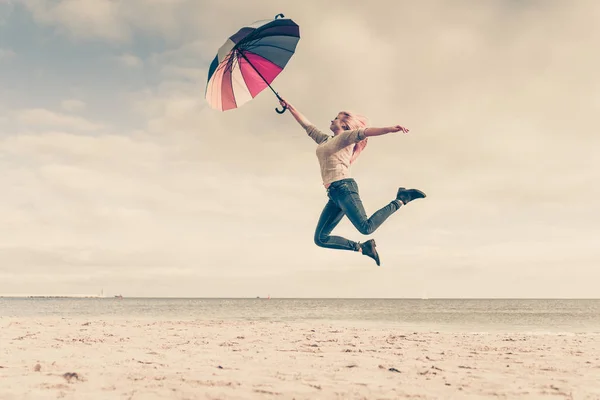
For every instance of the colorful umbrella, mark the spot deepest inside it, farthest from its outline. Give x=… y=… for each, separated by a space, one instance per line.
x=249 y=61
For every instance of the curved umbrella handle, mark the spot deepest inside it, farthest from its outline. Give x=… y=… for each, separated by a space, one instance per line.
x=280 y=99
x=282 y=111
x=279 y=16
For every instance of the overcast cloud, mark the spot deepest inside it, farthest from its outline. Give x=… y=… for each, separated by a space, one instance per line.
x=116 y=175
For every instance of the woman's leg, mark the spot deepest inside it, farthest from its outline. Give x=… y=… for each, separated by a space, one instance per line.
x=347 y=198
x=328 y=220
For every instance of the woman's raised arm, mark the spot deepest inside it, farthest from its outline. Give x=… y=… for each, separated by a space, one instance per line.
x=302 y=120
x=383 y=131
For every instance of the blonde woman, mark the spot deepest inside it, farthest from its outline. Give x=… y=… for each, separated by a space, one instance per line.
x=335 y=154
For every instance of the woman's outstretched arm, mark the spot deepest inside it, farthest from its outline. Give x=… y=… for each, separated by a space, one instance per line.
x=302 y=120
x=314 y=133
x=383 y=131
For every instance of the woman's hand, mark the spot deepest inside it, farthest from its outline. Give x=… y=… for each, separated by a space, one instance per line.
x=398 y=128
x=287 y=105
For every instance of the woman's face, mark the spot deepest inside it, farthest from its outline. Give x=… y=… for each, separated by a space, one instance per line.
x=337 y=125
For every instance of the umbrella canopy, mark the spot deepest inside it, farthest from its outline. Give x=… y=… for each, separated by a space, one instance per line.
x=249 y=61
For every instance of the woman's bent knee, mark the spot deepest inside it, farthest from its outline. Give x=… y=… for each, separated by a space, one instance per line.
x=365 y=229
x=320 y=241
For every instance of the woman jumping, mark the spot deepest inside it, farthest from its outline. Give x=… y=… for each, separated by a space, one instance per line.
x=335 y=154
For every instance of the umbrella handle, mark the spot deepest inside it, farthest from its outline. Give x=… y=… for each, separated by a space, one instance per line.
x=279 y=16
x=280 y=99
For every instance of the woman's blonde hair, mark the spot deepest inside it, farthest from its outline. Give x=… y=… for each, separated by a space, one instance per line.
x=351 y=121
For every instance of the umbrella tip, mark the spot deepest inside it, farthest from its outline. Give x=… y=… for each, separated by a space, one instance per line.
x=279 y=16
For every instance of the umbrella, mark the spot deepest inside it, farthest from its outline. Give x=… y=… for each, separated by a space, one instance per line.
x=249 y=61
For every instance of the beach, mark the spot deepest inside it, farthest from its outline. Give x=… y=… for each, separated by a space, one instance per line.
x=161 y=358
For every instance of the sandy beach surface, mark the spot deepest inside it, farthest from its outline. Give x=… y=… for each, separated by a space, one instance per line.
x=78 y=358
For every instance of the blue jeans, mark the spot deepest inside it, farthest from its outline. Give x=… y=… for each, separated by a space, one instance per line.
x=345 y=200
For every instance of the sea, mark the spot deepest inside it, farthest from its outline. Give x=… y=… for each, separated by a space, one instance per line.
x=433 y=315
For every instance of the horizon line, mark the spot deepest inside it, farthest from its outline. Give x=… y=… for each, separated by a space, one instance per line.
x=78 y=296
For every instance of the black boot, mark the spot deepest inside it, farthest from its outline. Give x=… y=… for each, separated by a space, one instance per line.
x=408 y=195
x=368 y=249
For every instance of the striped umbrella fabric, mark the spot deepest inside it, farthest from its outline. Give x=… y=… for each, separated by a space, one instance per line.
x=249 y=61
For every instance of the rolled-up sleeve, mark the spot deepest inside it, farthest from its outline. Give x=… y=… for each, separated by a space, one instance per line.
x=315 y=134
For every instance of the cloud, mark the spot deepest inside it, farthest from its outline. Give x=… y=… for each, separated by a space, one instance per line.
x=173 y=21
x=192 y=74
x=109 y=20
x=500 y=97
x=6 y=54
x=39 y=118
x=72 y=105
x=6 y=10
x=82 y=19
x=114 y=198
x=129 y=60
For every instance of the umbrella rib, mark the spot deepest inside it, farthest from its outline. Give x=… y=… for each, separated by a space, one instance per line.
x=226 y=64
x=259 y=74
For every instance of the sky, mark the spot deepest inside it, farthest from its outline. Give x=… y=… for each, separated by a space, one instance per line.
x=117 y=176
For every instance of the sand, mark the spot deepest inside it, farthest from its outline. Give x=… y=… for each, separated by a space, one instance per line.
x=53 y=358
